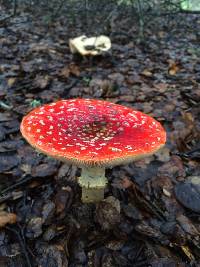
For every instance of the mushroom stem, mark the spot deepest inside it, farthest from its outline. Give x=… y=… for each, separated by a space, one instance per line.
x=93 y=182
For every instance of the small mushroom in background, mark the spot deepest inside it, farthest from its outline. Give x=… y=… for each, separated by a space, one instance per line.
x=91 y=46
x=92 y=134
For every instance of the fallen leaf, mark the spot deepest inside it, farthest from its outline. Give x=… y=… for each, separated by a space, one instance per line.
x=147 y=73
x=5 y=117
x=173 y=68
x=107 y=213
x=71 y=69
x=62 y=199
x=6 y=217
x=8 y=162
x=126 y=183
x=163 y=154
x=188 y=194
x=188 y=252
x=117 y=77
x=187 y=225
x=161 y=87
x=43 y=170
x=11 y=81
x=74 y=69
x=65 y=72
x=41 y=81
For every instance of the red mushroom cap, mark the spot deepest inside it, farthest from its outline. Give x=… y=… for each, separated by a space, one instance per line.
x=92 y=132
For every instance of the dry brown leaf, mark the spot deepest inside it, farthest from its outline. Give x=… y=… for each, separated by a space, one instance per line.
x=65 y=72
x=34 y=184
x=161 y=87
x=6 y=217
x=147 y=106
x=188 y=119
x=74 y=69
x=71 y=69
x=59 y=247
x=42 y=81
x=126 y=183
x=173 y=68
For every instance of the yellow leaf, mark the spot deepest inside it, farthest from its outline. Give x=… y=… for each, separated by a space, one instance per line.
x=11 y=81
x=187 y=252
x=147 y=73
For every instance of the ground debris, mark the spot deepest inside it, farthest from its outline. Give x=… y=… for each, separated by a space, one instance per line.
x=6 y=217
x=108 y=213
x=188 y=194
x=150 y=216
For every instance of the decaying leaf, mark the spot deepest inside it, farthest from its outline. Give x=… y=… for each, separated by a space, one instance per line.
x=11 y=81
x=188 y=252
x=147 y=73
x=41 y=81
x=7 y=218
x=159 y=197
x=188 y=194
x=71 y=69
x=108 y=213
x=173 y=68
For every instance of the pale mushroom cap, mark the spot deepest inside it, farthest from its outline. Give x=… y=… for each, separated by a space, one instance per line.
x=83 y=45
x=89 y=132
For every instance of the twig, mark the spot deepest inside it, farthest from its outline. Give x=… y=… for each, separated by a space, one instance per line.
x=22 y=181
x=15 y=7
x=141 y=20
x=4 y=20
x=22 y=244
x=58 y=9
x=11 y=196
x=86 y=15
x=5 y=106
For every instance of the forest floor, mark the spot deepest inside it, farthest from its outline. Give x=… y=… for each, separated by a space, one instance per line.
x=43 y=222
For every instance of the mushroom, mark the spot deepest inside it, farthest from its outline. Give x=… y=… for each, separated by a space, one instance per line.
x=92 y=134
x=89 y=46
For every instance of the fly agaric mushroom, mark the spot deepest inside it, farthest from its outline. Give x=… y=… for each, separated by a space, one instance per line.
x=92 y=46
x=92 y=134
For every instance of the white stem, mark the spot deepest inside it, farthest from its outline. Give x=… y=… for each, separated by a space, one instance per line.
x=93 y=182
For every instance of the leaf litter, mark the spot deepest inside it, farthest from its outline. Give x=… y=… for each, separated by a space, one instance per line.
x=150 y=216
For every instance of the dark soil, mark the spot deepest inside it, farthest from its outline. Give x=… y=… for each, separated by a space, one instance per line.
x=158 y=223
